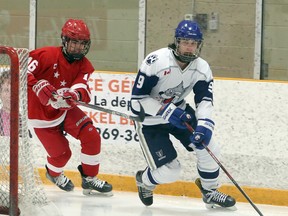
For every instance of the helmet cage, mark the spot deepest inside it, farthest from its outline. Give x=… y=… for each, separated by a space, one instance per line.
x=187 y=57
x=75 y=30
x=75 y=56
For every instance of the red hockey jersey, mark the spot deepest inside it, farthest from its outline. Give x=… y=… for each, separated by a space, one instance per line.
x=50 y=64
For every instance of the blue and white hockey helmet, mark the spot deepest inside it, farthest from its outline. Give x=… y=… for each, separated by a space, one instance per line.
x=188 y=30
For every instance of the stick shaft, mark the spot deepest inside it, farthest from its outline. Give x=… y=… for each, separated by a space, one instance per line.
x=139 y=118
x=227 y=173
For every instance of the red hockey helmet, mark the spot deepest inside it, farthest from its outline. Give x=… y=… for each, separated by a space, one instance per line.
x=76 y=30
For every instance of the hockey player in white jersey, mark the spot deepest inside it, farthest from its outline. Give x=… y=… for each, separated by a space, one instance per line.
x=165 y=78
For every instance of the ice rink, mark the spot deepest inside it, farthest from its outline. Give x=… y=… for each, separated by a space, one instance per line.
x=128 y=203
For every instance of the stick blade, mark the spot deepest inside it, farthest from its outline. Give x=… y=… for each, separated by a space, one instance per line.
x=141 y=115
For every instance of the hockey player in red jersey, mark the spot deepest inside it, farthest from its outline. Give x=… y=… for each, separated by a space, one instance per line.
x=57 y=77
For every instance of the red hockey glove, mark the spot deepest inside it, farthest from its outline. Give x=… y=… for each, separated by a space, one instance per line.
x=44 y=91
x=71 y=97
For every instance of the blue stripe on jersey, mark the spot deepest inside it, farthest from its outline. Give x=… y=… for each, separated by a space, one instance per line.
x=203 y=91
x=143 y=84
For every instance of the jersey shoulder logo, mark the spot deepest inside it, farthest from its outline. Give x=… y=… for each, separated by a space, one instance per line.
x=151 y=59
x=166 y=72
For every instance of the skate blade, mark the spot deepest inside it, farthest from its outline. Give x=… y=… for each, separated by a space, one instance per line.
x=89 y=192
x=215 y=206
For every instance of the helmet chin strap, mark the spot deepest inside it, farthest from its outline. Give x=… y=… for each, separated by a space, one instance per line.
x=70 y=57
x=178 y=58
x=67 y=56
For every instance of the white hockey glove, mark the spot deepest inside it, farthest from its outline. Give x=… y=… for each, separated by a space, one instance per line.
x=66 y=101
x=60 y=103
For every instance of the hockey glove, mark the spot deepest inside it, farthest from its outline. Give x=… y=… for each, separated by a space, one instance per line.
x=71 y=97
x=202 y=133
x=175 y=115
x=44 y=91
x=66 y=101
x=60 y=103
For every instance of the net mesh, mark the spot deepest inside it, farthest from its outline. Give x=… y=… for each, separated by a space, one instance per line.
x=31 y=193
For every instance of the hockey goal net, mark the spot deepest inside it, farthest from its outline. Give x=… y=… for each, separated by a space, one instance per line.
x=21 y=190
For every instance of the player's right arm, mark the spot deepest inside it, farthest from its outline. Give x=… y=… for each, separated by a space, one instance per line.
x=147 y=78
x=38 y=63
x=141 y=90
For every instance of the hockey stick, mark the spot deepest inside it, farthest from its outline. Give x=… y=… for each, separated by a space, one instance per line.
x=139 y=118
x=226 y=172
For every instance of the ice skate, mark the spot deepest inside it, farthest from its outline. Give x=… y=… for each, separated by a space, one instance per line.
x=214 y=198
x=145 y=192
x=92 y=186
x=60 y=181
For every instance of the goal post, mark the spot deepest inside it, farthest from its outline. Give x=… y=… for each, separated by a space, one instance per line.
x=10 y=65
x=21 y=189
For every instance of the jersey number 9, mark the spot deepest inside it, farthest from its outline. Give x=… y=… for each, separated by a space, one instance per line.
x=140 y=81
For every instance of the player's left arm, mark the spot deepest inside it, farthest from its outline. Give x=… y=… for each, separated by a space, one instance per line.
x=204 y=105
x=79 y=89
x=203 y=98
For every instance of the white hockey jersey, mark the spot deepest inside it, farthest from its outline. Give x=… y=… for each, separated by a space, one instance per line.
x=160 y=80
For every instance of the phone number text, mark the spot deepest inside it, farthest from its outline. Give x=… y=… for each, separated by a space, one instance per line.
x=108 y=133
